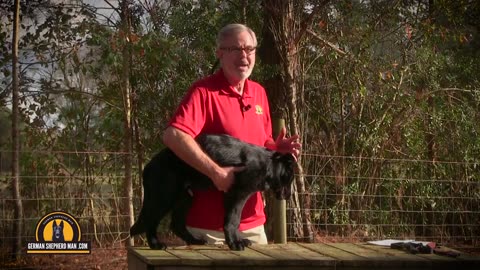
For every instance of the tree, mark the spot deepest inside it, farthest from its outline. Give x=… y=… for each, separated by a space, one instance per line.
x=18 y=227
x=286 y=25
x=125 y=28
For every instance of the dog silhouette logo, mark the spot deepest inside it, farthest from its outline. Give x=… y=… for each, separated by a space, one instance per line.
x=58 y=233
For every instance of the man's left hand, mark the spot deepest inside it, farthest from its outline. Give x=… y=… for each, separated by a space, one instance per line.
x=288 y=145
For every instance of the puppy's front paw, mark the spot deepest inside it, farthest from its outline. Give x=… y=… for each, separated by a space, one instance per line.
x=246 y=242
x=239 y=245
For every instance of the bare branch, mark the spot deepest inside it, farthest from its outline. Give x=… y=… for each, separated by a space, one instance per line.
x=326 y=42
x=305 y=25
x=114 y=8
x=62 y=92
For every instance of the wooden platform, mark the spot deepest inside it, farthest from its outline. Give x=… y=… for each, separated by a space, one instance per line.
x=293 y=256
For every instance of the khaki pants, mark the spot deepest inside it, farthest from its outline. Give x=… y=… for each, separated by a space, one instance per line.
x=256 y=235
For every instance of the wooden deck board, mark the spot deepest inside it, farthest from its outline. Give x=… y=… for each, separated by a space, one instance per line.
x=362 y=251
x=395 y=253
x=333 y=252
x=245 y=258
x=293 y=256
x=189 y=256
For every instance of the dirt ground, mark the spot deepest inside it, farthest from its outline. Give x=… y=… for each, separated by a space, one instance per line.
x=107 y=258
x=112 y=257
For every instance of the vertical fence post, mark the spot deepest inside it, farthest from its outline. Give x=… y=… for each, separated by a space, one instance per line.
x=279 y=206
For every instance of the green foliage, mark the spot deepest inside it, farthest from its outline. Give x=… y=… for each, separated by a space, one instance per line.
x=407 y=89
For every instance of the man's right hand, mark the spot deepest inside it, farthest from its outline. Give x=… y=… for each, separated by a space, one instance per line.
x=224 y=177
x=187 y=149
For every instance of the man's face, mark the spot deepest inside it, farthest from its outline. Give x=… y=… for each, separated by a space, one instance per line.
x=237 y=55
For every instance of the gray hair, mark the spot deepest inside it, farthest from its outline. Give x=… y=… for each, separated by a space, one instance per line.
x=234 y=28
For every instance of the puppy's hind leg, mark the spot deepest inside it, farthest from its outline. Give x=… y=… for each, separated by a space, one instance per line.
x=159 y=203
x=151 y=233
x=178 y=224
x=156 y=211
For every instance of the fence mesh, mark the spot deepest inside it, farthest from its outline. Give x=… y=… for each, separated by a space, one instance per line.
x=350 y=199
x=371 y=198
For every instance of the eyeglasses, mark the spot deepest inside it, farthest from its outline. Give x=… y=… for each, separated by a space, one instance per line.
x=248 y=50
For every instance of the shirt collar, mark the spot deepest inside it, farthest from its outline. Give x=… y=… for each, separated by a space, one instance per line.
x=228 y=89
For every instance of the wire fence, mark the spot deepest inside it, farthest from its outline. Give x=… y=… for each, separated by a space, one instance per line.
x=87 y=185
x=366 y=198
x=350 y=198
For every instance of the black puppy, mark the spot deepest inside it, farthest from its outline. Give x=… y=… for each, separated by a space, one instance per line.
x=167 y=181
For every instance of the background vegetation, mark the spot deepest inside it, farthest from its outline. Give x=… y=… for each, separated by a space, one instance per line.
x=386 y=96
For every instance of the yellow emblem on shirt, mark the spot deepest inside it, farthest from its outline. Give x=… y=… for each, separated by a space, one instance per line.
x=258 y=109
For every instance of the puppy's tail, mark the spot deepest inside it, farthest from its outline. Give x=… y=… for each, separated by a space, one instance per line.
x=139 y=226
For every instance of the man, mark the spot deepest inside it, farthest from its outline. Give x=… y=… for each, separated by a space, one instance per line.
x=225 y=103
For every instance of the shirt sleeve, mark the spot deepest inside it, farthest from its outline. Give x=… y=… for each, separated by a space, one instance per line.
x=191 y=113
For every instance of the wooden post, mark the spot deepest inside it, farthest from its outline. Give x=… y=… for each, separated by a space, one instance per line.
x=279 y=206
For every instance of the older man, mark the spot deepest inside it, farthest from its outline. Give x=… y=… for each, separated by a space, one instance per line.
x=225 y=103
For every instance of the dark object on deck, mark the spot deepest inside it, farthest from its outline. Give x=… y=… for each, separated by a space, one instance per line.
x=413 y=248
x=420 y=248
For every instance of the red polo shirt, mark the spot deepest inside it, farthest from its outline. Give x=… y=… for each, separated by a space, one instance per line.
x=212 y=106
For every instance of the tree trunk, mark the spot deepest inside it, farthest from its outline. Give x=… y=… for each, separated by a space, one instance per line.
x=127 y=106
x=284 y=29
x=271 y=59
x=18 y=218
x=140 y=156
